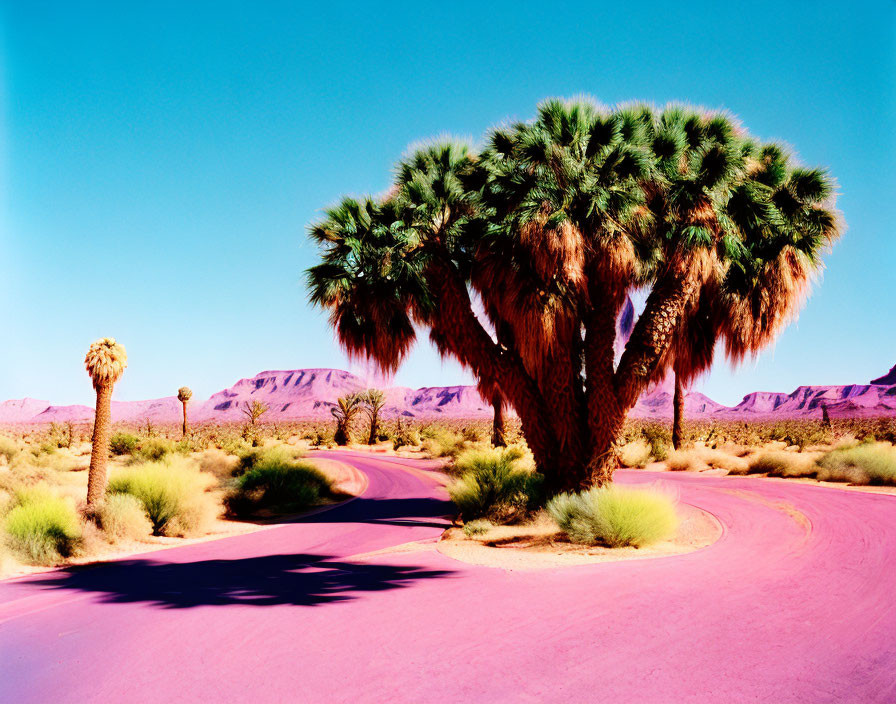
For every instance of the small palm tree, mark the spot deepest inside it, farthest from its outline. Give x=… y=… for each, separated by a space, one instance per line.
x=345 y=411
x=373 y=401
x=106 y=361
x=184 y=394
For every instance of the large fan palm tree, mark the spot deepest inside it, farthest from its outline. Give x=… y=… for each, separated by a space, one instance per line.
x=552 y=225
x=106 y=361
x=184 y=394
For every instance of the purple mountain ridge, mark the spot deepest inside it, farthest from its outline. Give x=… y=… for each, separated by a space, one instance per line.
x=309 y=394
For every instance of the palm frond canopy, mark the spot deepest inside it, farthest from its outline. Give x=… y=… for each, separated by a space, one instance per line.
x=184 y=394
x=106 y=361
x=553 y=224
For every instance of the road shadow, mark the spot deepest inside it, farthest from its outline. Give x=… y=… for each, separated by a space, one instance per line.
x=393 y=512
x=300 y=580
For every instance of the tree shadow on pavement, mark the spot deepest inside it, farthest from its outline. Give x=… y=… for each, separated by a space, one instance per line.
x=394 y=512
x=300 y=580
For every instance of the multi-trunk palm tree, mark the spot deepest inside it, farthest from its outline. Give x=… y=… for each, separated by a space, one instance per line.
x=373 y=401
x=345 y=411
x=552 y=225
x=184 y=394
x=106 y=361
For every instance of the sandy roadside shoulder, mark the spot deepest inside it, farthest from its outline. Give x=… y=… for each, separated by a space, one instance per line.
x=346 y=480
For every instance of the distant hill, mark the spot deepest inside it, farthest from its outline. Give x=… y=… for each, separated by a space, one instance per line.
x=311 y=393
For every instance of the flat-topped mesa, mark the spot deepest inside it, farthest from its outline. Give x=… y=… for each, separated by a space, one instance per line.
x=888 y=379
x=309 y=394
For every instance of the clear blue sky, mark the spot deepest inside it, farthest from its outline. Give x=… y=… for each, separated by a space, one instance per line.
x=160 y=162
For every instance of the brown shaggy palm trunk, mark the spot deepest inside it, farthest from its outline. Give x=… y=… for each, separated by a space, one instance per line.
x=498 y=432
x=185 y=418
x=456 y=327
x=99 y=454
x=677 y=412
x=371 y=437
x=648 y=343
x=600 y=393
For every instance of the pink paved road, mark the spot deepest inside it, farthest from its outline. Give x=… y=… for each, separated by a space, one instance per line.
x=793 y=604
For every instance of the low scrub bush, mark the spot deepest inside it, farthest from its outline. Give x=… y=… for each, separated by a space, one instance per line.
x=42 y=528
x=783 y=464
x=405 y=437
x=122 y=517
x=278 y=484
x=615 y=516
x=173 y=492
x=700 y=459
x=636 y=453
x=218 y=463
x=477 y=527
x=123 y=443
x=9 y=448
x=154 y=449
x=440 y=442
x=867 y=463
x=494 y=483
x=660 y=440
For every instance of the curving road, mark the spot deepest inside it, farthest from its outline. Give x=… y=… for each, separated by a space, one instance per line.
x=794 y=603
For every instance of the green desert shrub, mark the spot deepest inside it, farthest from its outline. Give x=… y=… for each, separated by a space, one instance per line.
x=122 y=443
x=659 y=439
x=494 y=483
x=615 y=516
x=174 y=494
x=867 y=463
x=278 y=484
x=42 y=528
x=122 y=517
x=153 y=449
x=477 y=527
x=405 y=436
x=783 y=464
x=441 y=442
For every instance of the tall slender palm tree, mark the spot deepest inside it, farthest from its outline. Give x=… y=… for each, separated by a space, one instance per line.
x=184 y=394
x=552 y=225
x=106 y=361
x=373 y=402
x=345 y=411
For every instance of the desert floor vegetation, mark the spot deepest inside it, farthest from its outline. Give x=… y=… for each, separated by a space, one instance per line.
x=228 y=473
x=161 y=487
x=615 y=516
x=174 y=494
x=499 y=484
x=275 y=481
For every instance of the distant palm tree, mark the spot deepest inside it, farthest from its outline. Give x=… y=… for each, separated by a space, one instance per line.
x=373 y=401
x=345 y=411
x=184 y=394
x=106 y=361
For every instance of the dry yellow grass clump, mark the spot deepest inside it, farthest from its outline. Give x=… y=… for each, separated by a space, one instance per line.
x=700 y=459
